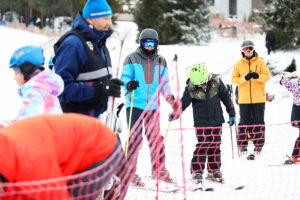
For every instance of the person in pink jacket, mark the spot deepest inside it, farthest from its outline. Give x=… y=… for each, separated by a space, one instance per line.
x=39 y=88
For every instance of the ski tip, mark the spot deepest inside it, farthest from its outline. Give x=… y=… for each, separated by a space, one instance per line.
x=240 y=187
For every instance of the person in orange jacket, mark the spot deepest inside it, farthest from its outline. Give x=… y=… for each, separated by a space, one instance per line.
x=250 y=75
x=77 y=152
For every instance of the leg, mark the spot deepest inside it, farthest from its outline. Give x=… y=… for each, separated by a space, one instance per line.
x=245 y=119
x=156 y=145
x=214 y=152
x=200 y=153
x=296 y=150
x=258 y=112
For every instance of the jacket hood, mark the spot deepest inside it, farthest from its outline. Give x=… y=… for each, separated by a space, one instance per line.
x=89 y=33
x=48 y=81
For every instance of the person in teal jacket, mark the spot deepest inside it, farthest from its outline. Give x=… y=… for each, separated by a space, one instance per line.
x=146 y=74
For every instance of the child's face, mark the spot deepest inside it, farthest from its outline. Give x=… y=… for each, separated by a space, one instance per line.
x=19 y=78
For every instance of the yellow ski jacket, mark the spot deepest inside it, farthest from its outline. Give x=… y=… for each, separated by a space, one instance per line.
x=252 y=91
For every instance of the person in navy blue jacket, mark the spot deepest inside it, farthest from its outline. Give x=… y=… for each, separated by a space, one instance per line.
x=83 y=61
x=146 y=73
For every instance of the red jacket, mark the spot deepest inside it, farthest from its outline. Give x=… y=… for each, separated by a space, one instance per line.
x=51 y=146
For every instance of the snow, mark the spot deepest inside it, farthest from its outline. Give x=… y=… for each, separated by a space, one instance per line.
x=261 y=180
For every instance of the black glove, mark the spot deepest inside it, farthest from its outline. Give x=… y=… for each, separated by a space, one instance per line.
x=248 y=76
x=132 y=85
x=112 y=87
x=255 y=75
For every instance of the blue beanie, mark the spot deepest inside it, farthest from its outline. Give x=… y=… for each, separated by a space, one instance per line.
x=31 y=54
x=96 y=8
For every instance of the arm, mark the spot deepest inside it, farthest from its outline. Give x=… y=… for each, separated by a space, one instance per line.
x=264 y=73
x=290 y=85
x=127 y=72
x=225 y=98
x=33 y=103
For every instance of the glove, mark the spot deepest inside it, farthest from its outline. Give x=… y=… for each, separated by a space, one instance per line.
x=255 y=75
x=132 y=85
x=231 y=121
x=112 y=87
x=248 y=76
x=175 y=103
x=173 y=116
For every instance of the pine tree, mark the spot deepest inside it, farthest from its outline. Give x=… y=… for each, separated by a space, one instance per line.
x=188 y=21
x=147 y=14
x=282 y=16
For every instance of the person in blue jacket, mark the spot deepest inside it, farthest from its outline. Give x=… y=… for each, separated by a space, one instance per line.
x=146 y=73
x=83 y=61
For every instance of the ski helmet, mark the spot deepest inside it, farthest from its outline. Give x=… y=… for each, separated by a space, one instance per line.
x=199 y=74
x=247 y=43
x=27 y=60
x=149 y=33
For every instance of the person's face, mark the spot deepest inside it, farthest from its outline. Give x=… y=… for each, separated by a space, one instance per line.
x=248 y=51
x=100 y=23
x=19 y=78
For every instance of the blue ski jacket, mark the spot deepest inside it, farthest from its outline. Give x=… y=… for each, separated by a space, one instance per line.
x=150 y=72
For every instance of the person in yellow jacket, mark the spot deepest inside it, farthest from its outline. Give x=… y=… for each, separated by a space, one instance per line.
x=250 y=75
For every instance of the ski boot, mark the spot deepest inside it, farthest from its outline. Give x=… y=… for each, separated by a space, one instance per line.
x=215 y=176
x=163 y=175
x=243 y=151
x=197 y=183
x=257 y=150
x=136 y=180
x=292 y=160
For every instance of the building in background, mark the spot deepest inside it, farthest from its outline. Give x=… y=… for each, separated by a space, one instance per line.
x=239 y=10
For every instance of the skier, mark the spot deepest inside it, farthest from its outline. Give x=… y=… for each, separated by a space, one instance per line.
x=294 y=88
x=145 y=72
x=206 y=91
x=83 y=61
x=250 y=75
x=270 y=41
x=39 y=88
x=55 y=146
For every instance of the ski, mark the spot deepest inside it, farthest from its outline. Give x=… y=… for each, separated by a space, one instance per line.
x=283 y=165
x=165 y=190
x=227 y=185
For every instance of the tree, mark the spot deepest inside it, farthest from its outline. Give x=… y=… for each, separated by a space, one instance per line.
x=282 y=17
x=147 y=14
x=182 y=21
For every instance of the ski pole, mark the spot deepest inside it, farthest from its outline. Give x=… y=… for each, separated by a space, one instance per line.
x=129 y=122
x=167 y=131
x=231 y=142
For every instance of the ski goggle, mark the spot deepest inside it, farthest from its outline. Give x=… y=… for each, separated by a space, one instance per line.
x=150 y=43
x=250 y=48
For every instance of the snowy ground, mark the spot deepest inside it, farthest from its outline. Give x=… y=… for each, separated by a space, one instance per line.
x=261 y=180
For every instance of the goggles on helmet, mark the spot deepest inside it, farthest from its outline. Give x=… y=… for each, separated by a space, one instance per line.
x=249 y=48
x=150 y=43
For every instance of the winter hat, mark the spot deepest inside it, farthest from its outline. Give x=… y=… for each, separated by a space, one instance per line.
x=96 y=8
x=199 y=74
x=31 y=54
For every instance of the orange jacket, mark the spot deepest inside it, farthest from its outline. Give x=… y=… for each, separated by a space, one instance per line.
x=252 y=91
x=50 y=146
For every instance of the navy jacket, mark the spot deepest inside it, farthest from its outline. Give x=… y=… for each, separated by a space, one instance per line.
x=72 y=63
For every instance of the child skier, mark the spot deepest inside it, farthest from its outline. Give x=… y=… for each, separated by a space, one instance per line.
x=204 y=91
x=294 y=88
x=39 y=88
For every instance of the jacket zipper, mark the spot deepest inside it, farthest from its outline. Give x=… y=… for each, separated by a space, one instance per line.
x=148 y=81
x=250 y=85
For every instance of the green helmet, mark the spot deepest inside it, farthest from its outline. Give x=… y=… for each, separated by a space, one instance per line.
x=199 y=74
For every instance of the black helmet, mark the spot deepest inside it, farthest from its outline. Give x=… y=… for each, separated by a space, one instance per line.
x=149 y=33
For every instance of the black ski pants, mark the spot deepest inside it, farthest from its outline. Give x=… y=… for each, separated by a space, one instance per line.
x=252 y=124
x=207 y=148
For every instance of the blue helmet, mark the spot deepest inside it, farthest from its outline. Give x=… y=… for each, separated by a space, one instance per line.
x=30 y=54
